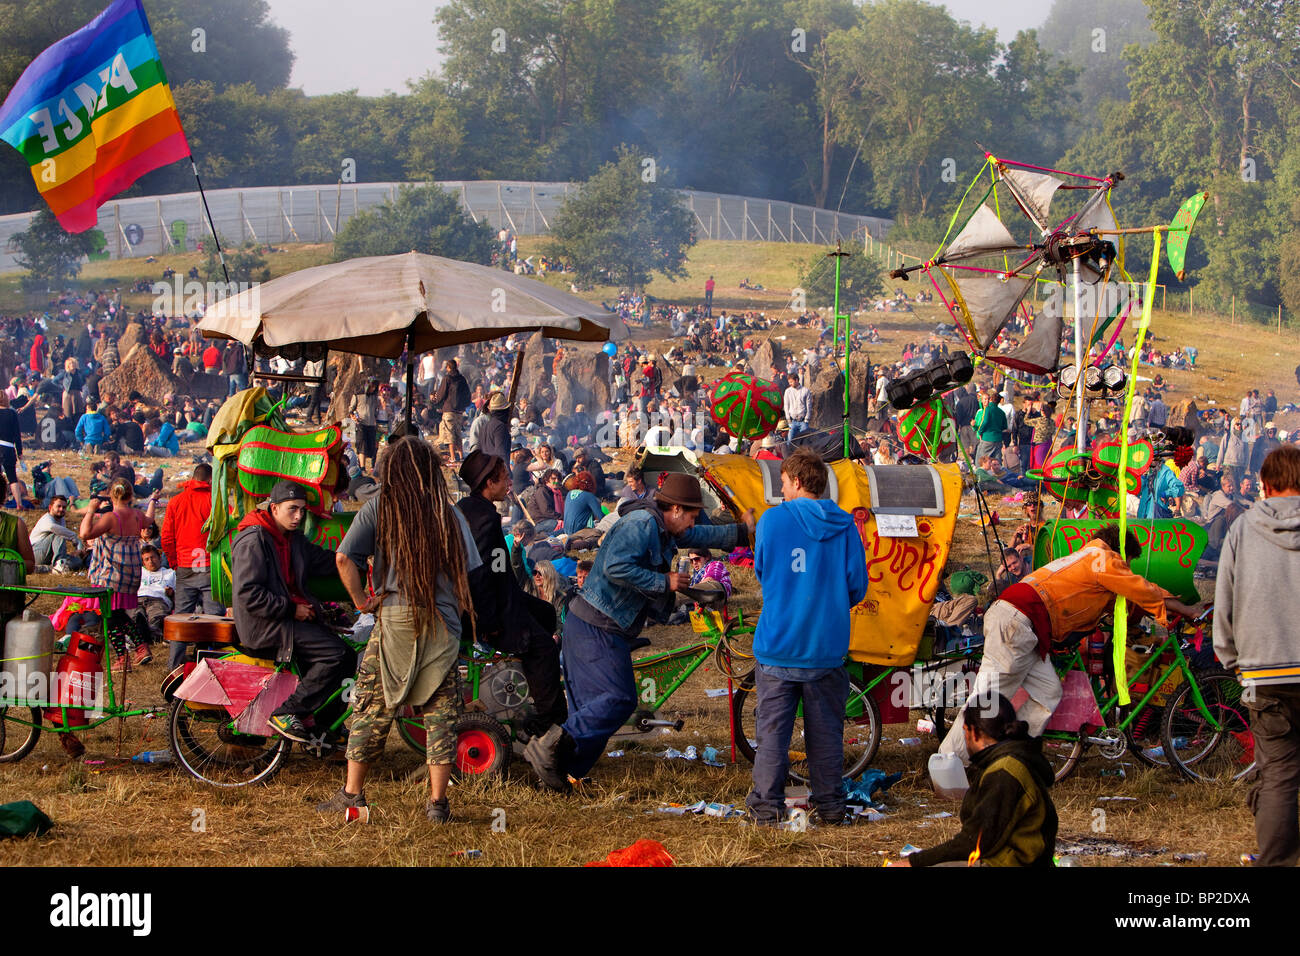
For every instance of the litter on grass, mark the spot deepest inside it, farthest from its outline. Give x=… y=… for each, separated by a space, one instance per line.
x=862 y=791
x=1097 y=846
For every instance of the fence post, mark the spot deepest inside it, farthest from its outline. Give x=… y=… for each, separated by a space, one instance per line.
x=744 y=220
x=1191 y=307
x=1279 y=320
x=1234 y=310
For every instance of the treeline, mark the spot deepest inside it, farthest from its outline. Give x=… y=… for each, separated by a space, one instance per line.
x=878 y=108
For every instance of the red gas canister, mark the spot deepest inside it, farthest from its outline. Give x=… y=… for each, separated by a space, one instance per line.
x=79 y=680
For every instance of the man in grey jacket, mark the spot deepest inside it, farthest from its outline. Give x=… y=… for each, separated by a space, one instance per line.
x=275 y=616
x=1255 y=635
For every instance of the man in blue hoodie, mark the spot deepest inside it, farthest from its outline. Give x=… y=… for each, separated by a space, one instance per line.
x=812 y=567
x=92 y=429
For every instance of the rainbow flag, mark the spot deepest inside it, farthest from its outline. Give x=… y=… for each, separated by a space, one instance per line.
x=93 y=113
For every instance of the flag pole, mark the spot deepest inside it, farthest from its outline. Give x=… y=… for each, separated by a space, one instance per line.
x=211 y=226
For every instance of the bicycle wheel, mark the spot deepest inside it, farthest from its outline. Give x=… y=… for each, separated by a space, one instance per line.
x=1063 y=751
x=861 y=732
x=205 y=743
x=410 y=728
x=17 y=740
x=1144 y=737
x=1214 y=745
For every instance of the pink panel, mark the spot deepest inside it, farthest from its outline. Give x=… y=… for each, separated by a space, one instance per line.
x=277 y=691
x=1078 y=706
x=241 y=682
x=202 y=687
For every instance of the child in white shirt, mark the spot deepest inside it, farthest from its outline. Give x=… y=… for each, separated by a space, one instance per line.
x=157 y=590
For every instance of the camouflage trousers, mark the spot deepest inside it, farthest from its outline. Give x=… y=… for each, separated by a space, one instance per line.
x=372 y=717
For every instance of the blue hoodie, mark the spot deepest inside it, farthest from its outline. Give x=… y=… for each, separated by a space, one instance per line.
x=812 y=566
x=166 y=438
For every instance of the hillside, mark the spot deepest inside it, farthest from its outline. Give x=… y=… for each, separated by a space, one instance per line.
x=1232 y=357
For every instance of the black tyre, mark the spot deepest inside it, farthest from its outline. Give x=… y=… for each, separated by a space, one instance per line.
x=1063 y=751
x=1144 y=737
x=861 y=732
x=1214 y=745
x=17 y=739
x=203 y=741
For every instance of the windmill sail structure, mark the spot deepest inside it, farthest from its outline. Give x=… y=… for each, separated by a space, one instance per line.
x=986 y=302
x=1040 y=352
x=1034 y=192
x=983 y=235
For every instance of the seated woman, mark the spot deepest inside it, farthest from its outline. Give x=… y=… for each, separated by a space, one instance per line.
x=18 y=498
x=1007 y=813
x=581 y=506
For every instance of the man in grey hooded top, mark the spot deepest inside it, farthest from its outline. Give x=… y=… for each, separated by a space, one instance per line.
x=1255 y=635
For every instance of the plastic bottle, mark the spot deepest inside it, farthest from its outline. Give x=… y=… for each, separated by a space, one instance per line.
x=909 y=741
x=948 y=776
x=153 y=756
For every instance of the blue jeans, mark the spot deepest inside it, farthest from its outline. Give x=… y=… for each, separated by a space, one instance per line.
x=601 y=688
x=824 y=694
x=797 y=429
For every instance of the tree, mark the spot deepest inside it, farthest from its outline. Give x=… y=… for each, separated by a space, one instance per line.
x=621 y=227
x=1091 y=38
x=238 y=43
x=422 y=219
x=822 y=18
x=860 y=279
x=50 y=253
x=919 y=89
x=245 y=264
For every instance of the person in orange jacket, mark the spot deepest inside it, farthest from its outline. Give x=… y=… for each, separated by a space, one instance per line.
x=185 y=544
x=1069 y=595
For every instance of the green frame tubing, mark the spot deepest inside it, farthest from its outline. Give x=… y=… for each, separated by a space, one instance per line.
x=109 y=712
x=1074 y=661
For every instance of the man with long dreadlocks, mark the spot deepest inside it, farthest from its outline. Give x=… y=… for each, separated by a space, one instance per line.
x=422 y=552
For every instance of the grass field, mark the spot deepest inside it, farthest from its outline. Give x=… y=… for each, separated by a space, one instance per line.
x=109 y=811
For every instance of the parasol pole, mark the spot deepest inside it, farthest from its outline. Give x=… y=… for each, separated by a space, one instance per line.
x=839 y=254
x=1080 y=385
x=410 y=372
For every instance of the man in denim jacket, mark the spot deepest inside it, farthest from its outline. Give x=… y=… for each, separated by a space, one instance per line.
x=632 y=579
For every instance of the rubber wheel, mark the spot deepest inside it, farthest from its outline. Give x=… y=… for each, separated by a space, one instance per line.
x=1218 y=750
x=204 y=742
x=861 y=732
x=482 y=747
x=482 y=743
x=18 y=740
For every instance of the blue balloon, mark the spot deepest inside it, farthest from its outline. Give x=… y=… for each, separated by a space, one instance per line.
x=610 y=349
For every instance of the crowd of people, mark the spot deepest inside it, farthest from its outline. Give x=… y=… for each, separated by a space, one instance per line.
x=555 y=554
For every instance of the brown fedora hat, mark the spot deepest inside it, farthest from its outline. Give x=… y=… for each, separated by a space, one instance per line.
x=680 y=489
x=478 y=467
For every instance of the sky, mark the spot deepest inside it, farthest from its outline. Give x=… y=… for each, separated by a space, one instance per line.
x=340 y=47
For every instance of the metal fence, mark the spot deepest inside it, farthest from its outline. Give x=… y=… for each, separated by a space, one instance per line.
x=156 y=225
